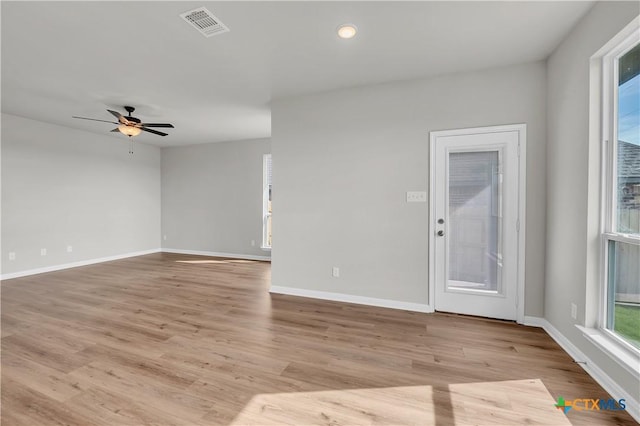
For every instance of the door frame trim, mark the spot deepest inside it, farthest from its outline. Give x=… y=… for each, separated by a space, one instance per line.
x=522 y=196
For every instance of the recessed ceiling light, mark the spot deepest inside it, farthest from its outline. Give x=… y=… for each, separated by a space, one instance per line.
x=347 y=31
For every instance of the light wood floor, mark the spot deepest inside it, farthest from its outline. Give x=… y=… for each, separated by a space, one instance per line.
x=185 y=340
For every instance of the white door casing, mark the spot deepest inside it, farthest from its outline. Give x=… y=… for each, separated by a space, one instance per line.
x=476 y=242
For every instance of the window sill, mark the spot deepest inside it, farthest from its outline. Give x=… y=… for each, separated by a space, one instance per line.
x=627 y=358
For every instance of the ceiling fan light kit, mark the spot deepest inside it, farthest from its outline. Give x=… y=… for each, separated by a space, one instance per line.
x=129 y=130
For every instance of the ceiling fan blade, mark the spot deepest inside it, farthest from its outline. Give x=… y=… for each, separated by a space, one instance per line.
x=116 y=114
x=155 y=132
x=156 y=125
x=94 y=119
x=120 y=117
x=116 y=129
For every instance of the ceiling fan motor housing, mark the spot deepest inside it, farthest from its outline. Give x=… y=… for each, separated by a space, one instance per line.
x=130 y=110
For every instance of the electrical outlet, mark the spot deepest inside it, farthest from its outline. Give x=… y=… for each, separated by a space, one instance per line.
x=12 y=255
x=43 y=252
x=253 y=243
x=164 y=237
x=69 y=249
x=335 y=272
x=574 y=311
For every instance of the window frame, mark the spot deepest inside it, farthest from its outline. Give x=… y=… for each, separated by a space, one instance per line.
x=608 y=226
x=267 y=162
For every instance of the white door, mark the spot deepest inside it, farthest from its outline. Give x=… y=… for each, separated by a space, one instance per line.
x=474 y=221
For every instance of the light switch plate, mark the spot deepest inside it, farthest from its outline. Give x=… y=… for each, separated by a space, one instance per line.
x=416 y=196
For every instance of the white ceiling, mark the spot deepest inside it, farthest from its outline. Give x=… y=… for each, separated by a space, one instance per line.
x=78 y=58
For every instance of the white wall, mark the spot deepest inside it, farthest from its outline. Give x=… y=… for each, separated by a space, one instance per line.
x=343 y=161
x=212 y=197
x=573 y=183
x=64 y=187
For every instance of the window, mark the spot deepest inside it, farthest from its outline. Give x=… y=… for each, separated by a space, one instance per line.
x=620 y=310
x=266 y=201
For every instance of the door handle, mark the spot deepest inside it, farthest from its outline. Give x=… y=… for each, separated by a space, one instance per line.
x=440 y=233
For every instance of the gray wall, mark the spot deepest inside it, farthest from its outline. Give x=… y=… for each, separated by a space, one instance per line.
x=343 y=161
x=573 y=182
x=212 y=197
x=64 y=187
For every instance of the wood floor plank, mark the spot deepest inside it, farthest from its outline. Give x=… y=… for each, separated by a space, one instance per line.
x=168 y=339
x=52 y=356
x=52 y=383
x=147 y=391
x=21 y=405
x=111 y=408
x=151 y=368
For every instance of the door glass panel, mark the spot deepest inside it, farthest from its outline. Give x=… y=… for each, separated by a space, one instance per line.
x=474 y=243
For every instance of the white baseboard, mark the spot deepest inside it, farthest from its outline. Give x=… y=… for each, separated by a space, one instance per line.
x=360 y=300
x=535 y=322
x=603 y=379
x=216 y=254
x=75 y=264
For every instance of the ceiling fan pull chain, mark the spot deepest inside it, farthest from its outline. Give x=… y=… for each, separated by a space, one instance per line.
x=130 y=145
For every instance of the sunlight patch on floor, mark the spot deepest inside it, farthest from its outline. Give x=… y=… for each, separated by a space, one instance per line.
x=507 y=403
x=197 y=262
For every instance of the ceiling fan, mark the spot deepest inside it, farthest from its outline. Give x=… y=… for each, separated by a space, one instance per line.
x=129 y=125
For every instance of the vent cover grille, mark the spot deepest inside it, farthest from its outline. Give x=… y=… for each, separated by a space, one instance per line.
x=204 y=21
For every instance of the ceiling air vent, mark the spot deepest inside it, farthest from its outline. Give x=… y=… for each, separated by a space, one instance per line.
x=204 y=21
